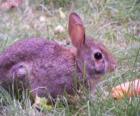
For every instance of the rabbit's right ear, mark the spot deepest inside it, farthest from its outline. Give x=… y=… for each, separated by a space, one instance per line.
x=76 y=30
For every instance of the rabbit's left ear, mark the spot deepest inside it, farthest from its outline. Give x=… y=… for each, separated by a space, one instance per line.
x=76 y=30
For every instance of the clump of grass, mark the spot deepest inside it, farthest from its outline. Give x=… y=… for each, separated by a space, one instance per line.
x=60 y=3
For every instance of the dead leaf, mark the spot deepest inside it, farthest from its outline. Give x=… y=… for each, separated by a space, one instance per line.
x=129 y=89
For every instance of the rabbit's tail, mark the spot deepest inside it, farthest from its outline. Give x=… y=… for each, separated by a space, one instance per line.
x=10 y=58
x=6 y=63
x=3 y=72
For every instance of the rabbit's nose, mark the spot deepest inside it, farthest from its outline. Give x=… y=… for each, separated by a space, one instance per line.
x=99 y=69
x=113 y=67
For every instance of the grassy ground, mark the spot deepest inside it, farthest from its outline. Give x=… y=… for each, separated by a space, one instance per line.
x=115 y=22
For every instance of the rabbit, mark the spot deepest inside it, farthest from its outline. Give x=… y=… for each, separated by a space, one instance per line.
x=49 y=69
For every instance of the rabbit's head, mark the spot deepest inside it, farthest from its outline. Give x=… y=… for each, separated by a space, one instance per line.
x=90 y=54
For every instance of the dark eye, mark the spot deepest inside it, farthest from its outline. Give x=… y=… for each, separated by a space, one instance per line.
x=98 y=56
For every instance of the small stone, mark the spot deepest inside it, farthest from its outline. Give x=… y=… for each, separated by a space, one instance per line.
x=59 y=29
x=42 y=19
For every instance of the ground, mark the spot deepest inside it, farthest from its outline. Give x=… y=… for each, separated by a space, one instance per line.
x=115 y=23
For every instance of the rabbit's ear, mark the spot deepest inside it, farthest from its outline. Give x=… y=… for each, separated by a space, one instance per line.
x=76 y=30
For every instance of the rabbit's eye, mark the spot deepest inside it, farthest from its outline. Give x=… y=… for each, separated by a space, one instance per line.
x=98 y=56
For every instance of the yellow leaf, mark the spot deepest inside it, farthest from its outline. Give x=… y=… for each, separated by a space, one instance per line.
x=42 y=103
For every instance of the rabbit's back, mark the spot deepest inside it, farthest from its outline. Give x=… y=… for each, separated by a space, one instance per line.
x=27 y=49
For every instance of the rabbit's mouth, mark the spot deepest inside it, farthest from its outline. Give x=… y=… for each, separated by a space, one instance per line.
x=96 y=72
x=99 y=72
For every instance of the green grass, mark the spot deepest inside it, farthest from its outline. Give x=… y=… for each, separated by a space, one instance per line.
x=114 y=22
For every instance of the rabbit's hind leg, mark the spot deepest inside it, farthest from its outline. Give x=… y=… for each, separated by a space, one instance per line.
x=19 y=71
x=16 y=79
x=20 y=74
